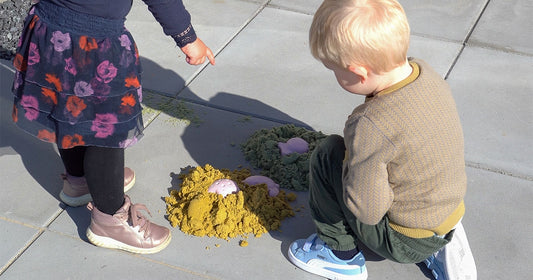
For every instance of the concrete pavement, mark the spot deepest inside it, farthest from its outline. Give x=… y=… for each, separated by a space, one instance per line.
x=265 y=77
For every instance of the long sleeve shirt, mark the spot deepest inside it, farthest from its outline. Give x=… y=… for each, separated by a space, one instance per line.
x=171 y=14
x=405 y=156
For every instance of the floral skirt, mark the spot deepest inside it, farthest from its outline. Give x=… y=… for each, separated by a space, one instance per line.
x=78 y=80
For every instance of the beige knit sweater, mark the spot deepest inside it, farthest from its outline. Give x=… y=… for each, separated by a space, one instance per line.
x=405 y=156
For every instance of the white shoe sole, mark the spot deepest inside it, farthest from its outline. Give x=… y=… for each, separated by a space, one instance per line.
x=316 y=269
x=107 y=242
x=75 y=201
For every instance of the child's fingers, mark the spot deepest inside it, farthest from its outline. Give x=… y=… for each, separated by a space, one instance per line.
x=196 y=53
x=210 y=56
x=201 y=60
x=195 y=61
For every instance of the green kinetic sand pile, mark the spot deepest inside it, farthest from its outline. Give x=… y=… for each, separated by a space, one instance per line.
x=290 y=171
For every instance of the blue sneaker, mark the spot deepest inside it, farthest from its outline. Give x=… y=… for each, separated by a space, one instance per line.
x=313 y=255
x=436 y=267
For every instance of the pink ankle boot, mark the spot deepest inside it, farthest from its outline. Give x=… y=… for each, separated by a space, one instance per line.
x=127 y=230
x=76 y=192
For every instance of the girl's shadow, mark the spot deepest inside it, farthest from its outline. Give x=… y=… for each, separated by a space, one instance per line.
x=40 y=159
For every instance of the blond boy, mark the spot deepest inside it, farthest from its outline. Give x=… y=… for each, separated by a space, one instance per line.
x=396 y=181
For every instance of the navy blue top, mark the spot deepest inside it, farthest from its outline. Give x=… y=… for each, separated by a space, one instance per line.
x=171 y=14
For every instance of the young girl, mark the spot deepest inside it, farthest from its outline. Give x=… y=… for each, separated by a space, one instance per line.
x=78 y=85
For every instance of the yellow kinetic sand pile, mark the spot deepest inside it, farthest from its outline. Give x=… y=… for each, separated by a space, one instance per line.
x=249 y=210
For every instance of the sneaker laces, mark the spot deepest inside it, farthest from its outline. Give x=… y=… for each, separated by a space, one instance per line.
x=137 y=219
x=312 y=239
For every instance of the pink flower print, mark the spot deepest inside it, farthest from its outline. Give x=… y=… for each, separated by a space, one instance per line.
x=106 y=71
x=70 y=66
x=30 y=72
x=31 y=105
x=140 y=94
x=126 y=58
x=33 y=54
x=82 y=88
x=125 y=41
x=60 y=40
x=104 y=125
x=100 y=89
x=17 y=81
x=128 y=142
x=104 y=45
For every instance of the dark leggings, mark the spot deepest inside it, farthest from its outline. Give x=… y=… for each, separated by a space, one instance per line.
x=104 y=170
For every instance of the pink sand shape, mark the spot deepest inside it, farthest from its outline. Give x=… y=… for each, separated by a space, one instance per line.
x=293 y=145
x=273 y=188
x=223 y=187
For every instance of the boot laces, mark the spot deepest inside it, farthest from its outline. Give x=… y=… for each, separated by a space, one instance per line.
x=137 y=219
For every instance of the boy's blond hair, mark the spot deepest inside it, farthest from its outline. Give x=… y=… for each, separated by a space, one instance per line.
x=371 y=33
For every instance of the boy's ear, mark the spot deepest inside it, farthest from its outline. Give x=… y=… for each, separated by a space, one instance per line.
x=360 y=71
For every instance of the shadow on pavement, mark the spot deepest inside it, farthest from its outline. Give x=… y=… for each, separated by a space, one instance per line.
x=39 y=158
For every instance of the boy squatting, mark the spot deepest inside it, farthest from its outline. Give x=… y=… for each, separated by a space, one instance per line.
x=396 y=180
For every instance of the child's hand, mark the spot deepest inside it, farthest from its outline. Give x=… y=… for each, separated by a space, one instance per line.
x=196 y=52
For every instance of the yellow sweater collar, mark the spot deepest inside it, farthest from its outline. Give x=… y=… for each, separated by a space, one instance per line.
x=414 y=75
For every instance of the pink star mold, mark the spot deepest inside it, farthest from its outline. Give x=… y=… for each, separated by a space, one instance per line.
x=273 y=188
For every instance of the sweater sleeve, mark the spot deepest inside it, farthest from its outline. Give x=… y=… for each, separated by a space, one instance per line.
x=367 y=192
x=174 y=18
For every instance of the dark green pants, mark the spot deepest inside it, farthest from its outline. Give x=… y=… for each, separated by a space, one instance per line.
x=340 y=229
